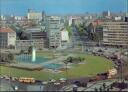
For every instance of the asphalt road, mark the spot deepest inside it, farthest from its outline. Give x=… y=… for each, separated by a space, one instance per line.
x=8 y=85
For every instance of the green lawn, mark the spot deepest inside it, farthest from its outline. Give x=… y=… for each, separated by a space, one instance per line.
x=92 y=66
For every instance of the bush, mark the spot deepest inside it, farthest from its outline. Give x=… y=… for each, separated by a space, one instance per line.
x=10 y=56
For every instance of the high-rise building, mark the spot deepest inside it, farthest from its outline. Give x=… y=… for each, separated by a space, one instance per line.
x=115 y=34
x=54 y=27
x=34 y=15
x=106 y=13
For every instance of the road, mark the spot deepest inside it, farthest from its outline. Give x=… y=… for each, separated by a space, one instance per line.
x=8 y=85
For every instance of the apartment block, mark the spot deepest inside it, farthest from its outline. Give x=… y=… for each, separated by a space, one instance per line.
x=7 y=37
x=115 y=33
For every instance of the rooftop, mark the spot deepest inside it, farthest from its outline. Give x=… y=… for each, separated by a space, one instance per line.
x=6 y=30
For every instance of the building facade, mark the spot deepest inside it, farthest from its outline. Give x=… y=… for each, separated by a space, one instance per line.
x=36 y=33
x=34 y=15
x=37 y=38
x=7 y=37
x=115 y=33
x=54 y=39
x=64 y=38
x=54 y=34
x=25 y=44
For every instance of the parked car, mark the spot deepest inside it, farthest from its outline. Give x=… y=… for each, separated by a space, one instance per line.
x=38 y=81
x=44 y=82
x=80 y=84
x=1 y=77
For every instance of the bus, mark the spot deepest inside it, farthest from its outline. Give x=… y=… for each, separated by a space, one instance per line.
x=26 y=80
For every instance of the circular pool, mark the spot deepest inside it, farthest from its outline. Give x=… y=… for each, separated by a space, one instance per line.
x=44 y=62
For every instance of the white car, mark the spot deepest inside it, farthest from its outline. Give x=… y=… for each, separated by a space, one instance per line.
x=44 y=82
x=16 y=88
x=56 y=83
x=7 y=78
x=1 y=77
x=52 y=80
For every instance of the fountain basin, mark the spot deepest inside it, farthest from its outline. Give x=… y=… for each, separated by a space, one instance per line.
x=42 y=61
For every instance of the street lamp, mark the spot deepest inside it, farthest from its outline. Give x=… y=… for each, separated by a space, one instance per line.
x=120 y=66
x=66 y=63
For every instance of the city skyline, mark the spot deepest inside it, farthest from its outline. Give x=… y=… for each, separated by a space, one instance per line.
x=61 y=7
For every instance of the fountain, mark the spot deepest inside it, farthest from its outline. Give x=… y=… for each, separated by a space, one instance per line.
x=33 y=54
x=33 y=60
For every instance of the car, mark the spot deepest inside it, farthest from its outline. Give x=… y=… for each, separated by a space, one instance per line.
x=56 y=83
x=76 y=83
x=1 y=77
x=92 y=80
x=44 y=82
x=80 y=84
x=16 y=88
x=7 y=78
x=100 y=50
x=38 y=81
x=14 y=78
x=63 y=81
x=52 y=80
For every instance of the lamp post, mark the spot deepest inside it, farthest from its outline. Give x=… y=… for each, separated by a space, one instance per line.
x=120 y=67
x=65 y=62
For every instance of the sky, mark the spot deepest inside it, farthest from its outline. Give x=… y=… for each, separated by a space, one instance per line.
x=62 y=7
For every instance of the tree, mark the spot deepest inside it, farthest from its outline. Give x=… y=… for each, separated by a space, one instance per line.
x=104 y=86
x=22 y=52
x=11 y=46
x=66 y=63
x=10 y=57
x=80 y=59
x=69 y=60
x=100 y=89
x=30 y=50
x=69 y=29
x=108 y=89
x=23 y=36
x=82 y=29
x=96 y=90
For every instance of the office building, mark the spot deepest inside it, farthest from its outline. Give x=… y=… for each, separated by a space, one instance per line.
x=115 y=34
x=54 y=34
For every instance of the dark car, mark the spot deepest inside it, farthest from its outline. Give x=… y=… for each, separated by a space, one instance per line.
x=80 y=84
x=38 y=81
